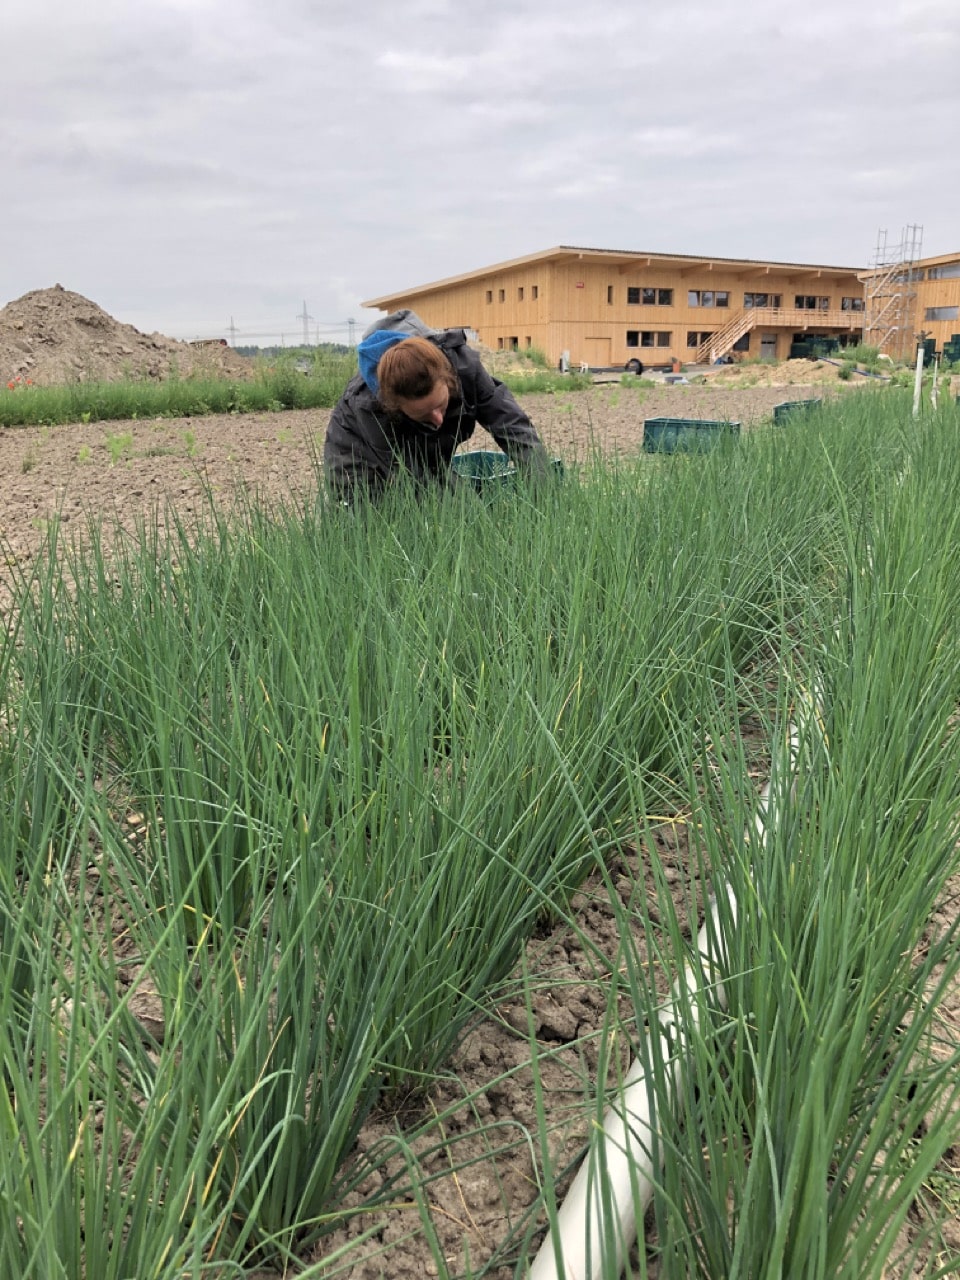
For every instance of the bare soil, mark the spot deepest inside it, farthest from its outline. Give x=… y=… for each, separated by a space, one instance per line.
x=130 y=469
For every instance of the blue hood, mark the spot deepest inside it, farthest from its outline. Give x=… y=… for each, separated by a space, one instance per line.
x=371 y=349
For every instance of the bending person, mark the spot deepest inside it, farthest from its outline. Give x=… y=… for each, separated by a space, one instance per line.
x=417 y=396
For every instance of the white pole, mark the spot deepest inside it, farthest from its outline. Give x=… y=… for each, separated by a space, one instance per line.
x=918 y=378
x=933 y=390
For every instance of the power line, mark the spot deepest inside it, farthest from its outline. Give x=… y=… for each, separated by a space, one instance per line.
x=324 y=331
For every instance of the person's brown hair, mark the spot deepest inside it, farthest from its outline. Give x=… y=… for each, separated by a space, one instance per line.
x=410 y=370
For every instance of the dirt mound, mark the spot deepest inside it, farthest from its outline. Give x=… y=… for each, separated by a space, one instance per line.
x=53 y=336
x=785 y=373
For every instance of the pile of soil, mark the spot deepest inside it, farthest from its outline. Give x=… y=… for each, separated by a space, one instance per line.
x=51 y=337
x=783 y=373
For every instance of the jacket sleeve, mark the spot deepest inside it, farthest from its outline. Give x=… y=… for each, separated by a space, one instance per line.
x=499 y=412
x=355 y=453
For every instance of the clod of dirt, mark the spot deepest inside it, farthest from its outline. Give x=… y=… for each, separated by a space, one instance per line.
x=52 y=337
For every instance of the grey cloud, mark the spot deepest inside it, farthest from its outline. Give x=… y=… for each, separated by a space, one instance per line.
x=263 y=155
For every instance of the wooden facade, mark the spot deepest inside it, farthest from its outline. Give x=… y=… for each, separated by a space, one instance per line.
x=937 y=310
x=910 y=301
x=606 y=309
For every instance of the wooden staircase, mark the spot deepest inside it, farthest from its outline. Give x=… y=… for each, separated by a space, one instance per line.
x=793 y=318
x=719 y=343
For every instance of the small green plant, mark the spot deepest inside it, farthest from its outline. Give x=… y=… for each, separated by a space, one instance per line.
x=118 y=445
x=84 y=453
x=28 y=462
x=537 y=357
x=845 y=372
x=190 y=442
x=864 y=355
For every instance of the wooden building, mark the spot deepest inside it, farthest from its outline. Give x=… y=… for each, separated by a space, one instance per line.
x=611 y=309
x=910 y=299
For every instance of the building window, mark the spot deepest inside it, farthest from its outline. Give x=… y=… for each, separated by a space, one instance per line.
x=609 y=295
x=809 y=302
x=520 y=294
x=633 y=337
x=942 y=313
x=489 y=295
x=707 y=298
x=761 y=300
x=663 y=339
x=742 y=344
x=648 y=338
x=649 y=296
x=535 y=292
x=514 y=344
x=499 y=344
x=528 y=342
x=503 y=295
x=695 y=338
x=852 y=304
x=949 y=271
x=722 y=297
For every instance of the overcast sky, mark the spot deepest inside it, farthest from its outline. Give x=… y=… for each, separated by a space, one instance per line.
x=188 y=163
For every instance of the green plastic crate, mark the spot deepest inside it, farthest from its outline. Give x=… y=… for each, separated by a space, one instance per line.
x=487 y=471
x=490 y=472
x=685 y=435
x=789 y=407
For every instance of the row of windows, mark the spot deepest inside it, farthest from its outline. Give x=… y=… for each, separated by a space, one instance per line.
x=645 y=296
x=751 y=300
x=648 y=338
x=721 y=298
x=942 y=313
x=948 y=271
x=521 y=293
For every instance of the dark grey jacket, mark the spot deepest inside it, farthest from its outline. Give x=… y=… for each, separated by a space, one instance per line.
x=367 y=445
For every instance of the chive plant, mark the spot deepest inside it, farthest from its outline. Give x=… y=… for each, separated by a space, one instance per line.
x=368 y=752
x=813 y=1096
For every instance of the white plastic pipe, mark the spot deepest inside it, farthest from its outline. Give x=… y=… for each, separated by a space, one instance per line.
x=615 y=1181
x=621 y=1183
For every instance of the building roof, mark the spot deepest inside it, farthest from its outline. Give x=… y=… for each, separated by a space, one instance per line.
x=940 y=260
x=615 y=257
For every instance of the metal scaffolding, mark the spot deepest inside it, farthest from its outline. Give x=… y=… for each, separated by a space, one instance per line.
x=890 y=293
